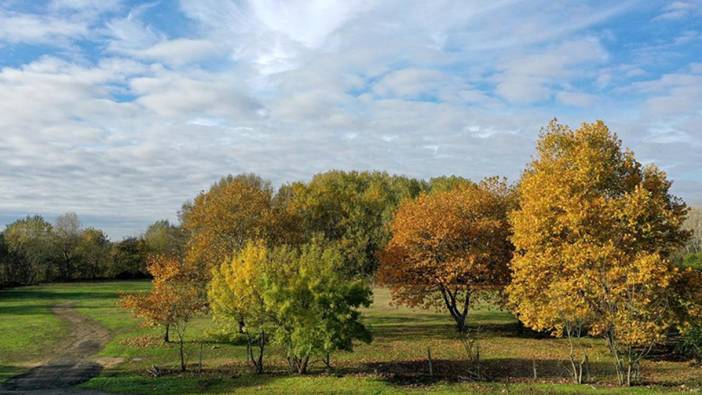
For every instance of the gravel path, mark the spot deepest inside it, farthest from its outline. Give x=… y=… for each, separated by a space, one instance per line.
x=73 y=363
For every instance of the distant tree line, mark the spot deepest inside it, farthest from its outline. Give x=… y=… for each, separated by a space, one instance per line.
x=33 y=250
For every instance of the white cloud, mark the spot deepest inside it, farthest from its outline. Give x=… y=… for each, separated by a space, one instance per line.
x=18 y=28
x=532 y=77
x=147 y=117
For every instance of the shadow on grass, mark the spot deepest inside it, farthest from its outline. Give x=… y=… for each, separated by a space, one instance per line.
x=225 y=379
x=19 y=295
x=423 y=328
x=54 y=375
x=34 y=309
x=496 y=370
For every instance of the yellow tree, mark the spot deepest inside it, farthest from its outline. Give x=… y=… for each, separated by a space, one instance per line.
x=174 y=299
x=220 y=221
x=235 y=294
x=448 y=246
x=593 y=235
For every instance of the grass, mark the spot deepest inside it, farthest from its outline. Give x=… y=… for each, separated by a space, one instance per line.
x=394 y=363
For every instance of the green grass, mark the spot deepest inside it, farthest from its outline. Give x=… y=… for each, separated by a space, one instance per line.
x=394 y=363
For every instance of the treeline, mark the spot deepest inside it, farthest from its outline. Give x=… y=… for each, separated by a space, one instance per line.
x=288 y=267
x=33 y=250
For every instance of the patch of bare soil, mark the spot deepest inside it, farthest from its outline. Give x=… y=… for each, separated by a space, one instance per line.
x=73 y=362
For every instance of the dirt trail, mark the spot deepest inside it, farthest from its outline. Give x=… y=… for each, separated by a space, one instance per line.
x=73 y=363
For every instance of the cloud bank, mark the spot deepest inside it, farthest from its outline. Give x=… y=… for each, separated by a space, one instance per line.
x=122 y=110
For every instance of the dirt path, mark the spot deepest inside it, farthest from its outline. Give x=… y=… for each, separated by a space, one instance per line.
x=73 y=363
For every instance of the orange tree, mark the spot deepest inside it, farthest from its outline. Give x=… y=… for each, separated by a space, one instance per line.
x=448 y=246
x=173 y=300
x=594 y=235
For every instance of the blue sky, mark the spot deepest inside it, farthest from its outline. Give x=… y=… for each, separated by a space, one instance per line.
x=122 y=110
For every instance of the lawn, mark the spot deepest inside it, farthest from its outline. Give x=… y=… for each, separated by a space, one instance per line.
x=396 y=361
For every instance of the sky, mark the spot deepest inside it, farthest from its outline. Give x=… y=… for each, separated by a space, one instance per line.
x=122 y=110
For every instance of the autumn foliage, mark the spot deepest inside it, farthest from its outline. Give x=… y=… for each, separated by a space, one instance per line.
x=221 y=220
x=594 y=237
x=173 y=300
x=449 y=245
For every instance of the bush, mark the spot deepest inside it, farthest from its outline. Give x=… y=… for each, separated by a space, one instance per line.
x=691 y=343
x=693 y=261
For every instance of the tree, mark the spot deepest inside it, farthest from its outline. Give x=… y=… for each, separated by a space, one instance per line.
x=128 y=259
x=235 y=295
x=67 y=236
x=694 y=225
x=30 y=243
x=594 y=235
x=448 y=246
x=350 y=208
x=173 y=300
x=314 y=306
x=6 y=264
x=92 y=254
x=163 y=238
x=296 y=298
x=222 y=220
x=447 y=183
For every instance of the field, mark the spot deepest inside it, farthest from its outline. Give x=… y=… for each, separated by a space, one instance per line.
x=396 y=361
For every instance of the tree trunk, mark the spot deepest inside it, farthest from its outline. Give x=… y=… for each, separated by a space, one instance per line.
x=302 y=366
x=327 y=361
x=459 y=315
x=166 y=337
x=182 y=353
x=256 y=361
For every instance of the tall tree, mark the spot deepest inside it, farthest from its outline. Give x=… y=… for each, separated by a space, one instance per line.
x=594 y=235
x=448 y=246
x=350 y=208
x=220 y=221
x=67 y=236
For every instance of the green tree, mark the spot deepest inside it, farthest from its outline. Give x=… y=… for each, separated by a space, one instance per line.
x=6 y=264
x=350 y=208
x=314 y=306
x=30 y=242
x=67 y=234
x=128 y=259
x=163 y=238
x=92 y=254
x=297 y=298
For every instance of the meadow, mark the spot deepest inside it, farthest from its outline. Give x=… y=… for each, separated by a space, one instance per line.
x=395 y=362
